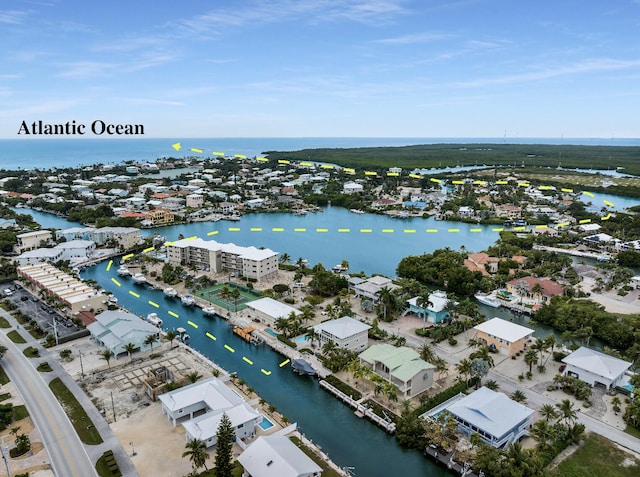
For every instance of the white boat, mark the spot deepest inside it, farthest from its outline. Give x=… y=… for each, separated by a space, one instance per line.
x=209 y=311
x=170 y=292
x=112 y=300
x=154 y=320
x=357 y=211
x=139 y=278
x=123 y=271
x=488 y=300
x=187 y=300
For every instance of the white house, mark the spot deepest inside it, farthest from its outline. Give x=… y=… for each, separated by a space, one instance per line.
x=371 y=287
x=435 y=311
x=352 y=188
x=76 y=250
x=595 y=368
x=243 y=419
x=277 y=456
x=31 y=257
x=195 y=201
x=345 y=332
x=32 y=240
x=115 y=329
x=267 y=310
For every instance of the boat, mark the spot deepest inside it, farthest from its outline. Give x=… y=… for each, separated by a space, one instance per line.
x=300 y=366
x=170 y=292
x=488 y=300
x=182 y=335
x=244 y=333
x=154 y=319
x=112 y=300
x=123 y=271
x=357 y=211
x=209 y=311
x=139 y=279
x=188 y=300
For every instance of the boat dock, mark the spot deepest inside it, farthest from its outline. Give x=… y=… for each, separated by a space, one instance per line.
x=448 y=461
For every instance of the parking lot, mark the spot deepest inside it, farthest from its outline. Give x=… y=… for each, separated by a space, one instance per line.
x=35 y=308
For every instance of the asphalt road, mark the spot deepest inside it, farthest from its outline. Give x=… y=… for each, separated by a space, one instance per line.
x=67 y=454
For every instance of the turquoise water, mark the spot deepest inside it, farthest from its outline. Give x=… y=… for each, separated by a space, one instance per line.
x=270 y=332
x=302 y=339
x=266 y=424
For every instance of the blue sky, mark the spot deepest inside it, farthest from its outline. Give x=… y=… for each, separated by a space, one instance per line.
x=405 y=68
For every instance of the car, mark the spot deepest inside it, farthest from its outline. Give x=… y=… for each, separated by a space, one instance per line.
x=8 y=292
x=24 y=298
x=324 y=313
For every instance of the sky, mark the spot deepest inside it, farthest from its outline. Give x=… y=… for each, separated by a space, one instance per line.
x=332 y=68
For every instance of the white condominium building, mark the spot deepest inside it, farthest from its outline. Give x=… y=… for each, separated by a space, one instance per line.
x=249 y=262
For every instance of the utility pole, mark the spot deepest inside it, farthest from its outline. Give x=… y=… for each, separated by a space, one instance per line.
x=81 y=367
x=5 y=457
x=113 y=408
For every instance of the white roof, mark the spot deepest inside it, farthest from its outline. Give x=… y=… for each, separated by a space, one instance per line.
x=342 y=328
x=438 y=301
x=597 y=363
x=272 y=307
x=251 y=253
x=276 y=456
x=504 y=329
x=75 y=244
x=490 y=411
x=206 y=426
x=213 y=392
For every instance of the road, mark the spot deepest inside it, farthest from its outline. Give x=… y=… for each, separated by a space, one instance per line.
x=66 y=451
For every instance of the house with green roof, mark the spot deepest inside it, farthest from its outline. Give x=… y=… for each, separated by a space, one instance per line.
x=401 y=366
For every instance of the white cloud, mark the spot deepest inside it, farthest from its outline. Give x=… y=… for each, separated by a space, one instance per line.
x=414 y=38
x=13 y=17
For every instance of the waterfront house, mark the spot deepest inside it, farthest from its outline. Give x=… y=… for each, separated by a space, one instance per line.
x=345 y=332
x=595 y=368
x=400 y=366
x=352 y=188
x=538 y=290
x=504 y=336
x=76 y=250
x=157 y=217
x=195 y=201
x=435 y=312
x=31 y=257
x=498 y=420
x=277 y=456
x=32 y=240
x=267 y=310
x=115 y=329
x=371 y=287
x=508 y=211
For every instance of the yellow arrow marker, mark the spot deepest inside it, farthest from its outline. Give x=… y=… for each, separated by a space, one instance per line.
x=131 y=292
x=564 y=224
x=176 y=146
x=153 y=303
x=348 y=170
x=306 y=164
x=229 y=348
x=262 y=159
x=322 y=230
x=218 y=153
x=168 y=244
x=175 y=315
x=387 y=231
x=585 y=221
x=209 y=335
x=264 y=371
x=285 y=362
x=127 y=256
x=586 y=192
x=432 y=231
x=366 y=231
x=606 y=217
x=370 y=173
x=502 y=182
x=240 y=156
x=541 y=226
x=344 y=230
x=544 y=187
x=115 y=281
x=193 y=149
x=523 y=184
x=519 y=229
x=193 y=237
x=283 y=161
x=457 y=182
x=247 y=360
x=109 y=265
x=453 y=230
x=148 y=249
x=192 y=324
x=300 y=229
x=234 y=229
x=326 y=166
x=610 y=204
x=409 y=231
x=567 y=190
x=437 y=181
x=475 y=230
x=415 y=176
x=256 y=229
x=277 y=229
x=498 y=229
x=213 y=232
x=392 y=174
x=480 y=182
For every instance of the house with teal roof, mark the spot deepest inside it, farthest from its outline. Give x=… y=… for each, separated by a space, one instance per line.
x=401 y=366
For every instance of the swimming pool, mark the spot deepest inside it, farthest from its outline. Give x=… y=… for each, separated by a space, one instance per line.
x=266 y=424
x=302 y=339
x=270 y=332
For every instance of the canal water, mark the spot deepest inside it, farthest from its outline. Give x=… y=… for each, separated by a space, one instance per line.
x=347 y=439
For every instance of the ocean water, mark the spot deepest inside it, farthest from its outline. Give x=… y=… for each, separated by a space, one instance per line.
x=74 y=152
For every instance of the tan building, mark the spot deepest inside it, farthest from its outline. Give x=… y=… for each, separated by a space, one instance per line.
x=195 y=201
x=157 y=217
x=508 y=211
x=505 y=337
x=32 y=240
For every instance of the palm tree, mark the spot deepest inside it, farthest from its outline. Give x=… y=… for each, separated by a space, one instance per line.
x=543 y=433
x=225 y=295
x=567 y=411
x=130 y=348
x=149 y=340
x=387 y=300
x=197 y=453
x=285 y=258
x=464 y=368
x=344 y=265
x=235 y=294
x=329 y=347
x=427 y=354
x=194 y=376
x=519 y=396
x=107 y=354
x=548 y=411
x=531 y=358
x=441 y=367
x=312 y=335
x=491 y=384
x=424 y=303
x=171 y=335
x=300 y=263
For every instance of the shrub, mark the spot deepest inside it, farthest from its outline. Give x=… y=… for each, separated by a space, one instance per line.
x=453 y=341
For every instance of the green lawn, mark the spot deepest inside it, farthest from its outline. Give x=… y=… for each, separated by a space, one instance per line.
x=4 y=379
x=77 y=415
x=4 y=396
x=16 y=337
x=326 y=470
x=4 y=323
x=634 y=431
x=20 y=412
x=44 y=367
x=31 y=352
x=598 y=457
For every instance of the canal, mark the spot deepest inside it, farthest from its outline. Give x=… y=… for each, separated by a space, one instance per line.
x=347 y=439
